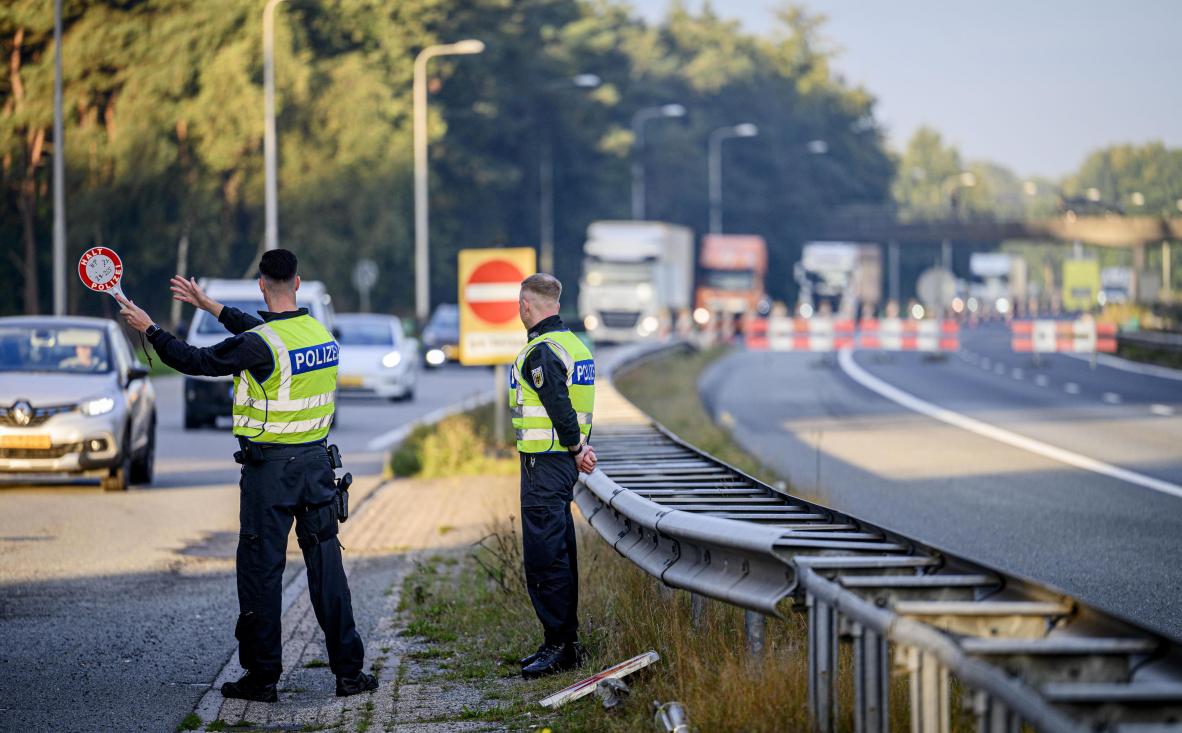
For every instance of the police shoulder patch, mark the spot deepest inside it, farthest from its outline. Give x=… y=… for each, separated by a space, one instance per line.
x=536 y=374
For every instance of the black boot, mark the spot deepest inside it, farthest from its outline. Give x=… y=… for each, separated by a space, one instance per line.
x=251 y=686
x=363 y=682
x=552 y=659
x=526 y=661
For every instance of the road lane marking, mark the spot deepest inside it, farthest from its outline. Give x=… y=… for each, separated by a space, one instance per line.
x=1161 y=410
x=399 y=434
x=845 y=359
x=1111 y=398
x=1071 y=388
x=1041 y=380
x=1115 y=362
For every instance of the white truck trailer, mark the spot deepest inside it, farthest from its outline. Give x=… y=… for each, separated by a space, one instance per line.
x=636 y=276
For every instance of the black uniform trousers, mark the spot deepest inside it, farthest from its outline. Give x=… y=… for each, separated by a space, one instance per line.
x=291 y=482
x=548 y=542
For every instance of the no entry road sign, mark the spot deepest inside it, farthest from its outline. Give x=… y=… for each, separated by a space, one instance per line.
x=490 y=279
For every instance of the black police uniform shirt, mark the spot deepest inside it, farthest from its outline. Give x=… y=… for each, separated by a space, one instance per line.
x=241 y=352
x=553 y=392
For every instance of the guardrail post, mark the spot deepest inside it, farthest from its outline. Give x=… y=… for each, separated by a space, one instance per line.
x=697 y=608
x=871 y=681
x=929 y=693
x=753 y=623
x=822 y=667
x=992 y=715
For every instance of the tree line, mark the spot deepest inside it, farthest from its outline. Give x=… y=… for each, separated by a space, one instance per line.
x=164 y=129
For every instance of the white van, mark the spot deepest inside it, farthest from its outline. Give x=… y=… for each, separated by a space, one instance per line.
x=208 y=398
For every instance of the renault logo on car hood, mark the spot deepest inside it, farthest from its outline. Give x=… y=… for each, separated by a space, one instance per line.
x=22 y=412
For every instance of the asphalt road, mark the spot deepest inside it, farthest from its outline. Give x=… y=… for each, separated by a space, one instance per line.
x=117 y=610
x=1111 y=542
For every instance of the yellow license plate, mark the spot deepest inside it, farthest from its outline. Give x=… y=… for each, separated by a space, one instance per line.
x=25 y=441
x=351 y=380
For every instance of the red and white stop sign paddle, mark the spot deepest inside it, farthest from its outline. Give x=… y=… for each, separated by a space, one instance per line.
x=101 y=270
x=492 y=289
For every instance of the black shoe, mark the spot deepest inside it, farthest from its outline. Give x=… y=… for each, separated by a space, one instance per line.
x=552 y=659
x=526 y=661
x=251 y=686
x=363 y=682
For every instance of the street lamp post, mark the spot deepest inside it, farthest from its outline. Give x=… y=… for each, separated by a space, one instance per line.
x=964 y=179
x=59 y=171
x=422 y=263
x=546 y=177
x=638 y=121
x=714 y=167
x=271 y=226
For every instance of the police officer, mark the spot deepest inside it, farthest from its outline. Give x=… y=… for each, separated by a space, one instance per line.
x=551 y=398
x=285 y=378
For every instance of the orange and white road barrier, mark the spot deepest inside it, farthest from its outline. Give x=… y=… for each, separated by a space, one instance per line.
x=905 y=334
x=781 y=333
x=1083 y=336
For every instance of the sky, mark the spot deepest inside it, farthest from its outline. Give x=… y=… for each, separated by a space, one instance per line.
x=1034 y=85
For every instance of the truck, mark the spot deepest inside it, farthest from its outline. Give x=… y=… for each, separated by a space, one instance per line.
x=732 y=270
x=1116 y=285
x=1081 y=284
x=842 y=278
x=998 y=283
x=636 y=276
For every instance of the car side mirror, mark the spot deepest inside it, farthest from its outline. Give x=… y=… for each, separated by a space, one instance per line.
x=336 y=333
x=136 y=372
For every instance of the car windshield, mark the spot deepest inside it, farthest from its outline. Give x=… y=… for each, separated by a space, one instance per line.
x=599 y=271
x=67 y=349
x=445 y=318
x=209 y=325
x=731 y=280
x=365 y=332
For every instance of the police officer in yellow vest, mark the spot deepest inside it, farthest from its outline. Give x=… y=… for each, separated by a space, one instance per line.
x=285 y=378
x=551 y=398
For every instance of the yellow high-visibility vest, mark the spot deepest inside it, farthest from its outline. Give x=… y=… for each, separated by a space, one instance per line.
x=296 y=402
x=535 y=430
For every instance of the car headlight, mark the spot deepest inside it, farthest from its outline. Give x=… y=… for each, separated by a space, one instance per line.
x=392 y=359
x=701 y=316
x=97 y=406
x=591 y=323
x=648 y=325
x=435 y=357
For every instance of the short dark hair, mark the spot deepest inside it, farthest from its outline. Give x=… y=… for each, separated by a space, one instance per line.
x=543 y=285
x=277 y=265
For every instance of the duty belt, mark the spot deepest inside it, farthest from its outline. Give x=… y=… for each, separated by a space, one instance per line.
x=262 y=452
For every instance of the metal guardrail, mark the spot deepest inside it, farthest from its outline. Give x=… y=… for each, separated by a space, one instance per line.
x=1024 y=653
x=1153 y=340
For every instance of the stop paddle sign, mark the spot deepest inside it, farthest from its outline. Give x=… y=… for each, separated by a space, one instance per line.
x=101 y=270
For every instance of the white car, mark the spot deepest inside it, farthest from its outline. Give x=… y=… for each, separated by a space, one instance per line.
x=376 y=357
x=75 y=402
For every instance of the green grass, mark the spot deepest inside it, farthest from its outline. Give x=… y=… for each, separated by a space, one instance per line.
x=315 y=664
x=459 y=445
x=190 y=722
x=1151 y=356
x=667 y=390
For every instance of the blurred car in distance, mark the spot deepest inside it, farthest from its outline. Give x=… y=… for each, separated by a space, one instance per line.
x=441 y=336
x=208 y=398
x=75 y=402
x=377 y=358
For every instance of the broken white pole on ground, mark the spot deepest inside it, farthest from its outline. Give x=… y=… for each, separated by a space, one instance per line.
x=585 y=687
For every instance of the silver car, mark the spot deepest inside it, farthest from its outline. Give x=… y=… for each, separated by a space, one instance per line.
x=74 y=402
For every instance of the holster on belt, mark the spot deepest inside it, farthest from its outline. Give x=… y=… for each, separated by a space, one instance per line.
x=248 y=452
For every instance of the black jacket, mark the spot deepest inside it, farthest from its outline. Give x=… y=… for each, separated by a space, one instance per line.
x=553 y=392
x=241 y=352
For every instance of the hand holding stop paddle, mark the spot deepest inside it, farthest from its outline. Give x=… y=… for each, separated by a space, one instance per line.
x=100 y=270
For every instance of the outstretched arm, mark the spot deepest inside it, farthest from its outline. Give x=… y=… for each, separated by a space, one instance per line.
x=235 y=354
x=188 y=291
